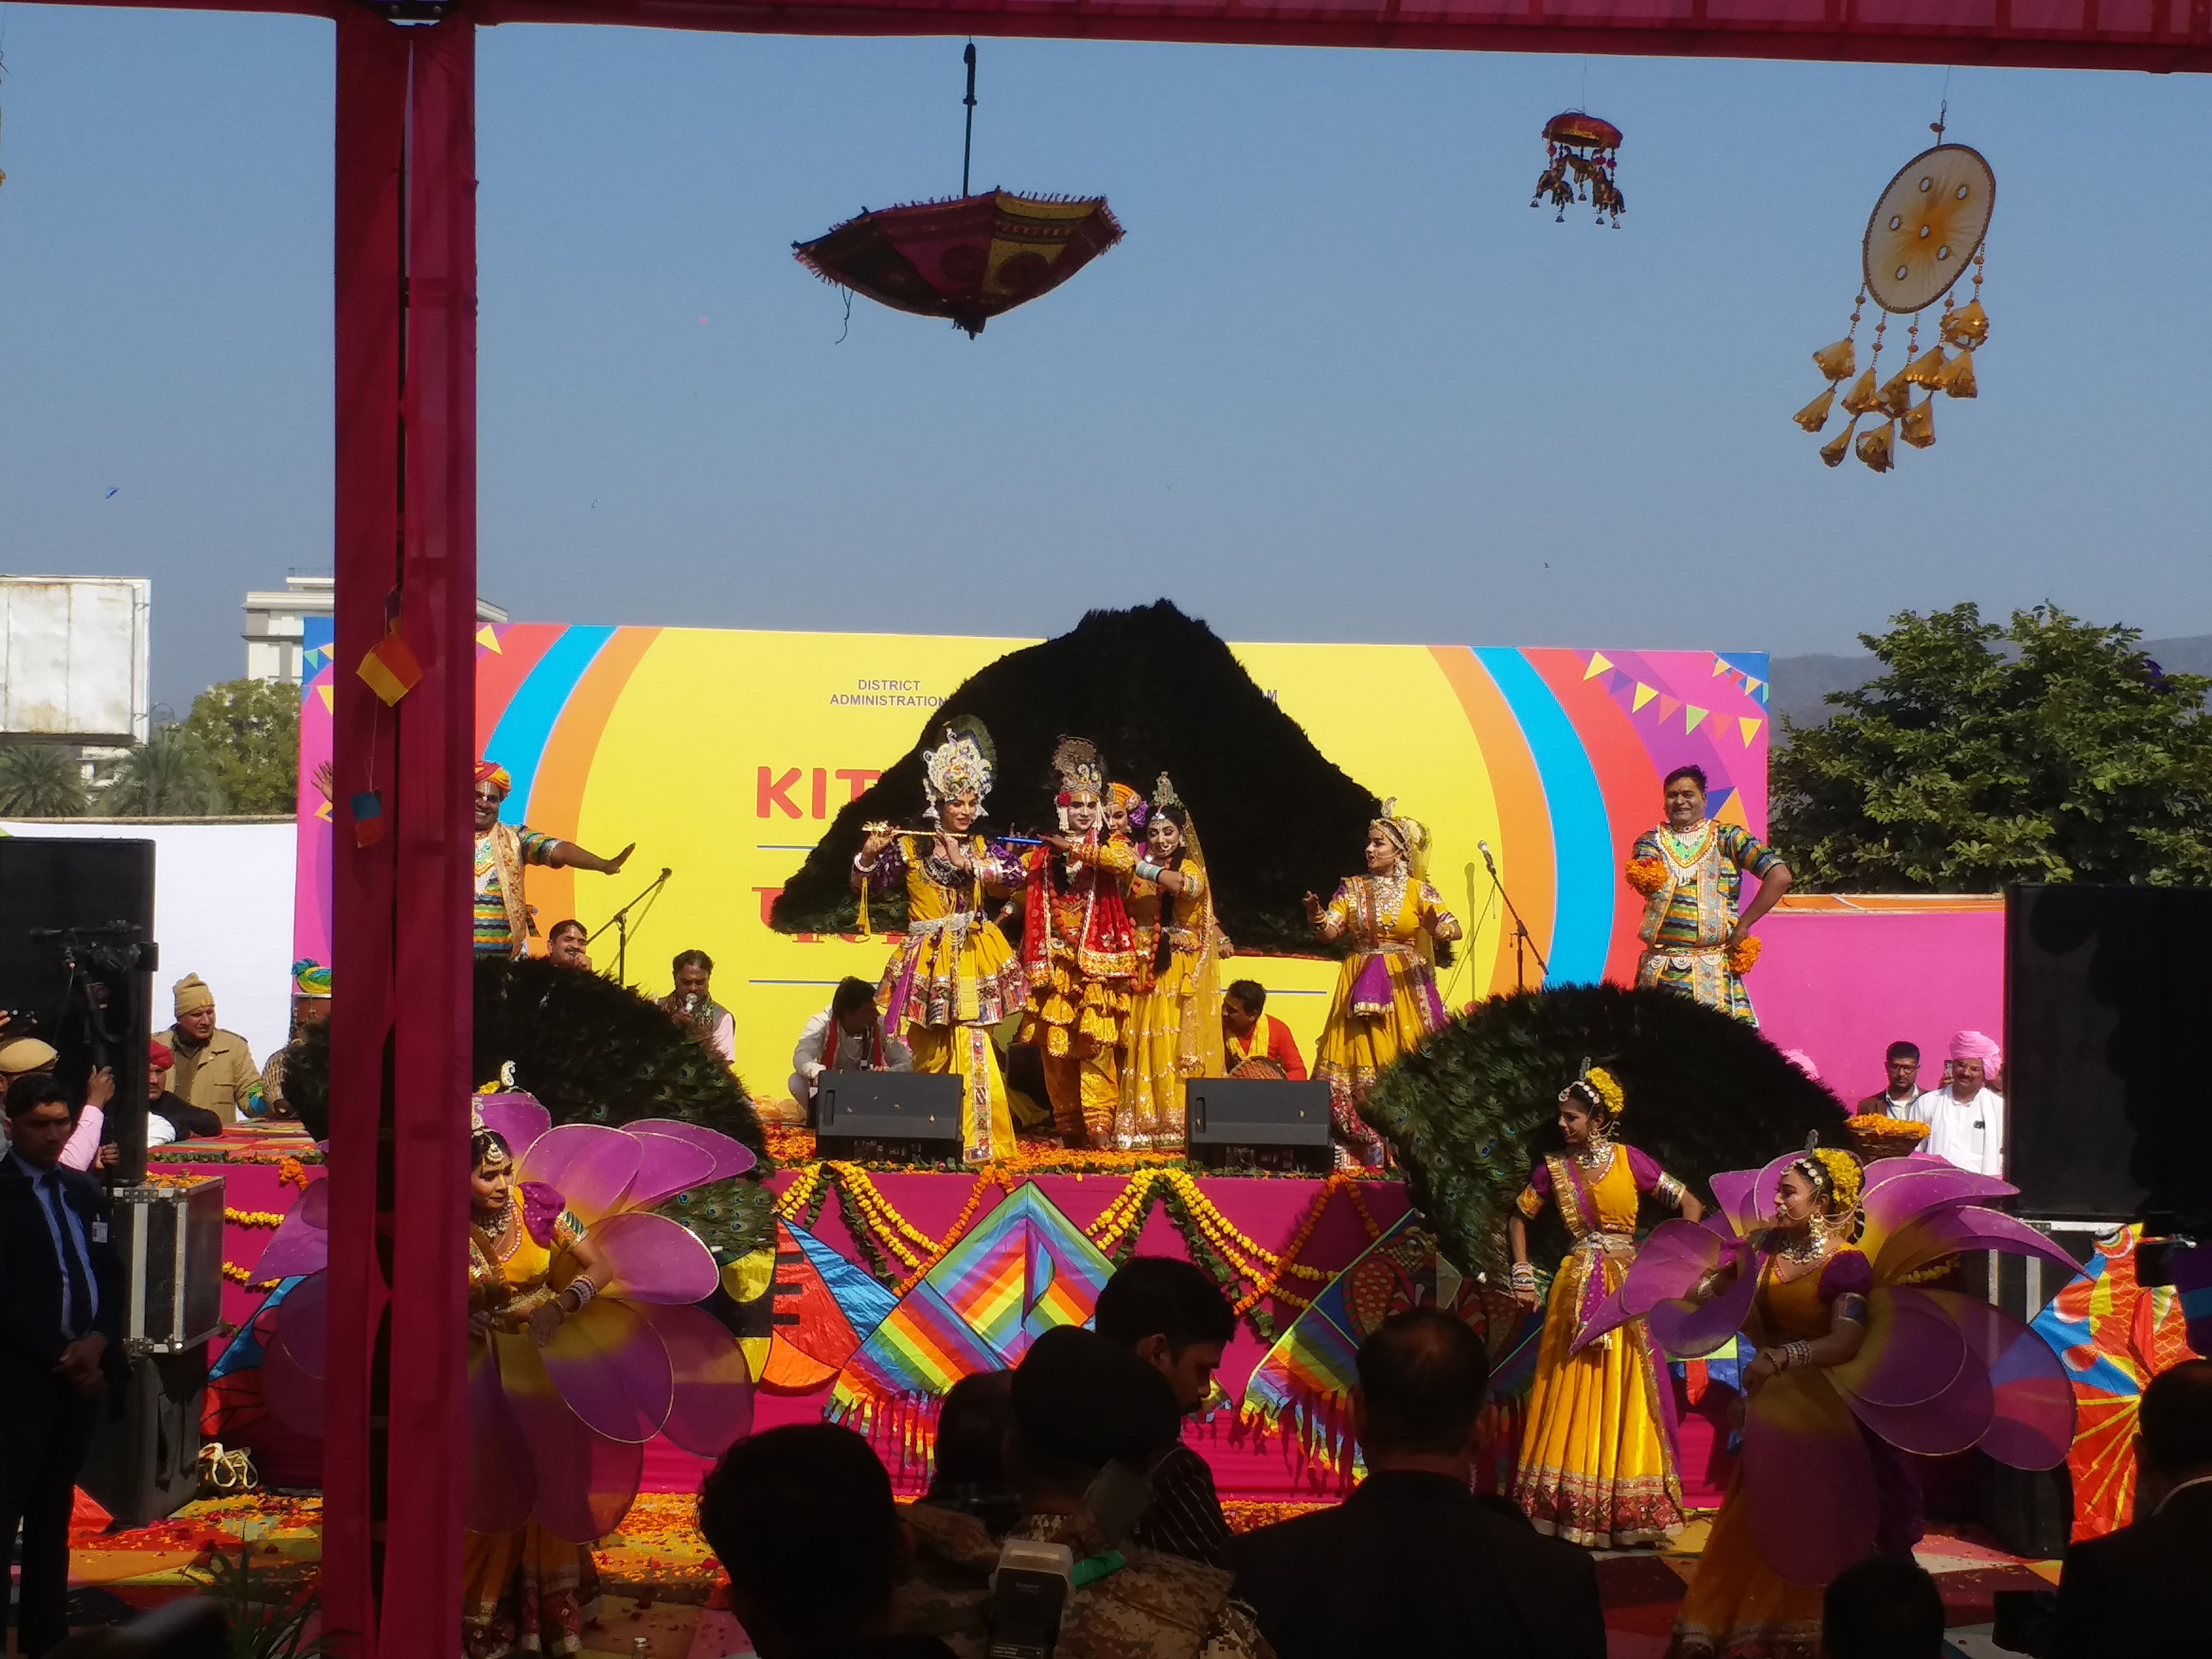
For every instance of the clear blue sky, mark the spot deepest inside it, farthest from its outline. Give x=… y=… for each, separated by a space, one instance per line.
x=1339 y=382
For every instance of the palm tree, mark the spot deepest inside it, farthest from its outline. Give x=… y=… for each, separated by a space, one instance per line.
x=168 y=777
x=39 y=780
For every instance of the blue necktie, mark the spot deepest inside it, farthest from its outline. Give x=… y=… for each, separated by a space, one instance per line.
x=78 y=1311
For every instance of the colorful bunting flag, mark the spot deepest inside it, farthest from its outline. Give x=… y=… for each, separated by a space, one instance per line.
x=1599 y=664
x=1749 y=725
x=1695 y=718
x=389 y=669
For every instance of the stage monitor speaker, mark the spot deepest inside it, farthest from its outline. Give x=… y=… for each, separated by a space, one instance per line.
x=888 y=1116
x=77 y=963
x=2106 y=990
x=1257 y=1123
x=144 y=1462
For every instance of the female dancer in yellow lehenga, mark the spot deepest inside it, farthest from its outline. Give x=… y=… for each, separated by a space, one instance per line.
x=1174 y=1017
x=1598 y=1464
x=954 y=976
x=524 y=1591
x=1386 y=1002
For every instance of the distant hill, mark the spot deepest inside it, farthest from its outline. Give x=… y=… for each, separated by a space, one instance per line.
x=1800 y=685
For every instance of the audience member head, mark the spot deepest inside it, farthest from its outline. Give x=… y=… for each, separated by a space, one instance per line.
x=1172 y=1316
x=803 y=1521
x=2176 y=1423
x=852 y=1006
x=1242 y=1005
x=1902 y=1063
x=1423 y=1378
x=971 y=1431
x=25 y=1057
x=194 y=1006
x=695 y=974
x=1685 y=792
x=564 y=945
x=160 y=1062
x=1882 y=1608
x=39 y=1119
x=1080 y=1402
x=1973 y=1057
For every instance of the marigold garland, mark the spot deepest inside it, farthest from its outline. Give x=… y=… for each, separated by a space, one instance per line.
x=236 y=1274
x=1646 y=876
x=252 y=1218
x=1744 y=953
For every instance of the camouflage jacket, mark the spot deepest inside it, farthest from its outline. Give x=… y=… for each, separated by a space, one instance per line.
x=1157 y=1606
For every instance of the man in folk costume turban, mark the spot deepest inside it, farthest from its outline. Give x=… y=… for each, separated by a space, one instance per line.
x=1966 y=1117
x=1697 y=935
x=1078 y=953
x=503 y=925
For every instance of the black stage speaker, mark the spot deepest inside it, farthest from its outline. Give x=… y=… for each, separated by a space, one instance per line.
x=1264 y=1123
x=888 y=1117
x=77 y=963
x=145 y=1460
x=2107 y=991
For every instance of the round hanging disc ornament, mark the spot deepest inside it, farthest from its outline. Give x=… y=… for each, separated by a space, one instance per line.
x=1927 y=227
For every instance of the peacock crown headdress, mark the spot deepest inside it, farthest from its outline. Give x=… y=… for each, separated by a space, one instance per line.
x=1081 y=770
x=963 y=764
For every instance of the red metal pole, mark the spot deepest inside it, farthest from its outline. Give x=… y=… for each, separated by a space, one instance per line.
x=394 y=1453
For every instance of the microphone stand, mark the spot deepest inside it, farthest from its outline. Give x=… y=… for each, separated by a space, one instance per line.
x=620 y=922
x=1522 y=940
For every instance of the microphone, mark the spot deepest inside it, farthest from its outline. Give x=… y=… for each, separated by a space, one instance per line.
x=1489 y=863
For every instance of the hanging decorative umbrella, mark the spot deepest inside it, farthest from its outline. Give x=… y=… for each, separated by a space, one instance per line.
x=1581 y=153
x=1925 y=230
x=967 y=260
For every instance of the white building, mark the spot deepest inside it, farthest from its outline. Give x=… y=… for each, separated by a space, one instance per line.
x=274 y=622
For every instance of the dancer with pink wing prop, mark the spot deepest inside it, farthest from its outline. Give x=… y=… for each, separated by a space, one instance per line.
x=1815 y=1260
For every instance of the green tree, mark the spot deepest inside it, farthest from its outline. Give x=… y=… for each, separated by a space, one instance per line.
x=39 y=780
x=249 y=730
x=168 y=777
x=2047 y=749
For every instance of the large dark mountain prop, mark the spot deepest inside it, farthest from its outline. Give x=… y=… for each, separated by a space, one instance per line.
x=1472 y=1112
x=1157 y=692
x=590 y=1051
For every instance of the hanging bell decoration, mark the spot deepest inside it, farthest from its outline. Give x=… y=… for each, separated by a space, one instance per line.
x=1580 y=156
x=1926 y=230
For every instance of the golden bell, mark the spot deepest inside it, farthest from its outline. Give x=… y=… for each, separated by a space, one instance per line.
x=1895 y=396
x=1862 y=398
x=1877 y=447
x=1919 y=426
x=1967 y=327
x=1837 y=361
x=1926 y=371
x=1815 y=415
x=1958 y=377
x=1837 y=448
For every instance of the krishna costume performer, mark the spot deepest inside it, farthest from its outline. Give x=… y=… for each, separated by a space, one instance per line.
x=1386 y=1003
x=1690 y=870
x=1174 y=1014
x=1859 y=1361
x=1598 y=1462
x=1078 y=954
x=953 y=977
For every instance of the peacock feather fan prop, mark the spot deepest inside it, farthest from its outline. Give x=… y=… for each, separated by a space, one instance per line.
x=590 y=1051
x=1473 y=1110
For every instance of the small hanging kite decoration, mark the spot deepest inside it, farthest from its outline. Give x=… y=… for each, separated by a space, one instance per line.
x=1581 y=155
x=968 y=259
x=1925 y=230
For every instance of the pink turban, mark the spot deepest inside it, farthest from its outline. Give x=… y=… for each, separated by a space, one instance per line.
x=1802 y=1061
x=1973 y=1045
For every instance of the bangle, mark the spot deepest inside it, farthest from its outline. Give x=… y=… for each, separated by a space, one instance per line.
x=865 y=869
x=1149 y=872
x=585 y=1291
x=1523 y=1276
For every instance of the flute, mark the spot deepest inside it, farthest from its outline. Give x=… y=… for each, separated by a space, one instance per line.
x=1009 y=839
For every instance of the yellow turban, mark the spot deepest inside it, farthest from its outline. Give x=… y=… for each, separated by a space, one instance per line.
x=26 y=1054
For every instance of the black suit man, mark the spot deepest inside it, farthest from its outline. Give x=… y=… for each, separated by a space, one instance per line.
x=2143 y=1589
x=61 y=1305
x=1457 y=1578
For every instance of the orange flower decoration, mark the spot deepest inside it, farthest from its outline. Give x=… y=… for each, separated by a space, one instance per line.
x=1646 y=876
x=1743 y=954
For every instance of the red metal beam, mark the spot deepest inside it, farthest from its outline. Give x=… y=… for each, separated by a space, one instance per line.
x=2157 y=36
